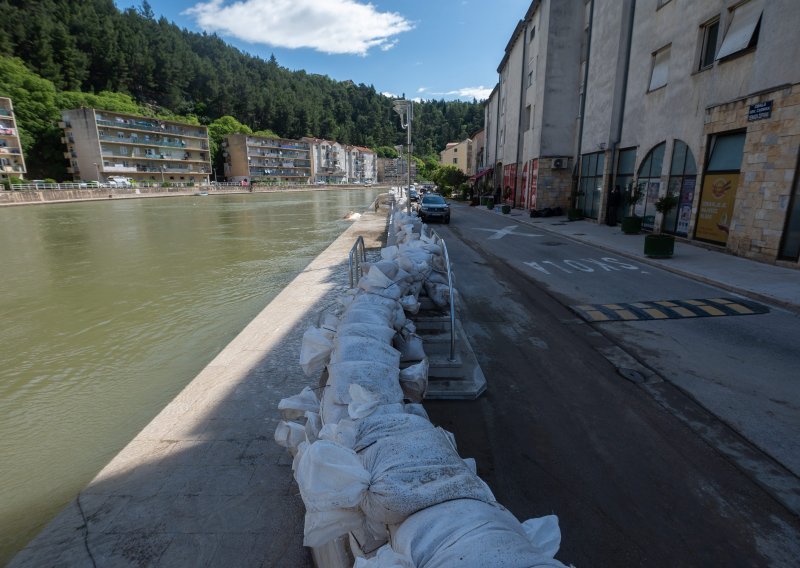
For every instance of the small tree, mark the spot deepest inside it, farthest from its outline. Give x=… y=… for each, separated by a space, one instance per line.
x=664 y=205
x=633 y=195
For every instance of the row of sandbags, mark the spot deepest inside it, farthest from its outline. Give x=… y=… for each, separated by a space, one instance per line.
x=368 y=462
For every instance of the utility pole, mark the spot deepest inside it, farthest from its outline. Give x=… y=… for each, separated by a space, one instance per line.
x=405 y=109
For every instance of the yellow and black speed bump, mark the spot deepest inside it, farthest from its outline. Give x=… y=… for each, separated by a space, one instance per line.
x=669 y=309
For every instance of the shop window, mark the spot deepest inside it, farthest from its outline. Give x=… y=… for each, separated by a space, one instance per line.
x=649 y=181
x=742 y=33
x=708 y=49
x=720 y=182
x=682 y=181
x=660 y=71
x=790 y=243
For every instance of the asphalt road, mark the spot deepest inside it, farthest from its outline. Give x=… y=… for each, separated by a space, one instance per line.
x=637 y=471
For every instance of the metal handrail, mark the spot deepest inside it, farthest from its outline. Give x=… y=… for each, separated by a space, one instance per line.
x=439 y=239
x=355 y=259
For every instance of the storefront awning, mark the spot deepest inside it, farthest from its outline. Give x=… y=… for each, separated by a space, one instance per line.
x=481 y=174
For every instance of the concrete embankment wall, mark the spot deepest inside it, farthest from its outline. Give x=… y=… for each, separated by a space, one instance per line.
x=32 y=197
x=204 y=484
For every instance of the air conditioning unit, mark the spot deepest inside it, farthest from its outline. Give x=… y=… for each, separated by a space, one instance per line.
x=560 y=163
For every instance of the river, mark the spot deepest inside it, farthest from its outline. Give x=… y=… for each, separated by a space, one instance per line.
x=110 y=308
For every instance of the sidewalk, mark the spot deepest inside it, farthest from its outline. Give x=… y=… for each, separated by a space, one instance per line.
x=763 y=282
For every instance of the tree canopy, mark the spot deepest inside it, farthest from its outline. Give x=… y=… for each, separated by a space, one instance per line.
x=130 y=59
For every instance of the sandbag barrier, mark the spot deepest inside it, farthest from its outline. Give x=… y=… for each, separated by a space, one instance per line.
x=369 y=464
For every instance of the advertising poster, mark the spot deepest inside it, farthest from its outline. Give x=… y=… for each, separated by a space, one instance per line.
x=685 y=206
x=649 y=209
x=509 y=173
x=524 y=185
x=716 y=207
x=534 y=177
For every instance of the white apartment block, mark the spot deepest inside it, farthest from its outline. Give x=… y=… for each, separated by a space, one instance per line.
x=698 y=98
x=12 y=162
x=361 y=165
x=264 y=159
x=101 y=144
x=328 y=161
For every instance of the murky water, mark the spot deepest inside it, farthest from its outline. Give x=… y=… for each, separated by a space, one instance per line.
x=108 y=309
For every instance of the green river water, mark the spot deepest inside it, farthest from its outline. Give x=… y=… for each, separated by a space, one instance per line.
x=108 y=309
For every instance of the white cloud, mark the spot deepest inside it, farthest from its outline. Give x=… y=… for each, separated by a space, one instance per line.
x=390 y=95
x=479 y=93
x=422 y=89
x=333 y=26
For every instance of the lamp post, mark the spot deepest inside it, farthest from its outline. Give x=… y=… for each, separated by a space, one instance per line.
x=97 y=171
x=405 y=109
x=162 y=175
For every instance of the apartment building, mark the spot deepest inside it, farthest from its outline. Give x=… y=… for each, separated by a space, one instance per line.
x=268 y=160
x=693 y=98
x=101 y=144
x=458 y=154
x=395 y=171
x=329 y=161
x=12 y=162
x=361 y=165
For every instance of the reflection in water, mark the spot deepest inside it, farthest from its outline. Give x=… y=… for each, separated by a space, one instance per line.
x=110 y=308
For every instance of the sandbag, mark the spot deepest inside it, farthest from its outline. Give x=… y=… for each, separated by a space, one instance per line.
x=414 y=381
x=364 y=349
x=467 y=532
x=293 y=407
x=382 y=380
x=315 y=350
x=410 y=347
x=382 y=333
x=289 y=435
x=330 y=411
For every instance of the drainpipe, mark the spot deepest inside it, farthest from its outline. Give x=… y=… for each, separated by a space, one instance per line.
x=520 y=130
x=621 y=117
x=497 y=130
x=585 y=85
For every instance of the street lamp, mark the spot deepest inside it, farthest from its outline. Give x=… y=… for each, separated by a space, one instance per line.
x=405 y=109
x=97 y=171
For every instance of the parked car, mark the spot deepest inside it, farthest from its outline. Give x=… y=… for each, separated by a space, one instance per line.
x=413 y=195
x=88 y=184
x=434 y=206
x=119 y=181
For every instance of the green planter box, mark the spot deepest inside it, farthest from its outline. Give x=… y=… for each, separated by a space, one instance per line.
x=574 y=214
x=490 y=203
x=631 y=225
x=506 y=209
x=659 y=246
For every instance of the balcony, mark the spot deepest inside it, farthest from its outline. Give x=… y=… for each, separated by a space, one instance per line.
x=12 y=169
x=4 y=131
x=5 y=112
x=151 y=127
x=149 y=142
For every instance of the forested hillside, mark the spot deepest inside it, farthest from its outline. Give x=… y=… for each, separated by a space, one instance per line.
x=90 y=46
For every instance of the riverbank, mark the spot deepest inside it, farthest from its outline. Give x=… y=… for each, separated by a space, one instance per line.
x=39 y=197
x=205 y=480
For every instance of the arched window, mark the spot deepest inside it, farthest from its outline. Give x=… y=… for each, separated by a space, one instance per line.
x=682 y=179
x=649 y=181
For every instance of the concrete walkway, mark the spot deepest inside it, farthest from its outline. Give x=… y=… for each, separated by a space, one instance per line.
x=764 y=282
x=205 y=484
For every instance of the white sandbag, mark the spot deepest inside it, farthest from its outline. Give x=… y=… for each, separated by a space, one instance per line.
x=364 y=349
x=410 y=347
x=414 y=381
x=484 y=535
x=416 y=409
x=369 y=314
x=381 y=380
x=315 y=350
x=289 y=435
x=330 y=411
x=438 y=293
x=376 y=282
x=388 y=267
x=389 y=253
x=410 y=472
x=313 y=426
x=410 y=303
x=293 y=407
x=382 y=332
x=544 y=534
x=372 y=429
x=332 y=483
x=385 y=557
x=362 y=402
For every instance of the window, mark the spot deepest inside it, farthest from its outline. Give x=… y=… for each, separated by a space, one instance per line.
x=530 y=78
x=533 y=33
x=709 y=46
x=682 y=180
x=742 y=32
x=528 y=116
x=660 y=72
x=455 y=160
x=649 y=181
x=591 y=184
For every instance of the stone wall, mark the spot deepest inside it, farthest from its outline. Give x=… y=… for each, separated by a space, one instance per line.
x=769 y=166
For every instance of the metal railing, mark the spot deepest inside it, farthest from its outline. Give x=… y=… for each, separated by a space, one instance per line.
x=358 y=254
x=440 y=240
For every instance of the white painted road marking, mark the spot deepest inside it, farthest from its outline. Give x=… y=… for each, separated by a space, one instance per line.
x=604 y=264
x=500 y=233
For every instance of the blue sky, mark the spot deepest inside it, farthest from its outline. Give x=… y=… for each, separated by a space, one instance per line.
x=428 y=49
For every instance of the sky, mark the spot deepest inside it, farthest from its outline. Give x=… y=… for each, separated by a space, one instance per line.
x=420 y=49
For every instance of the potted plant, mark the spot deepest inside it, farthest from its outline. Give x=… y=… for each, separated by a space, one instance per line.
x=658 y=245
x=506 y=208
x=631 y=222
